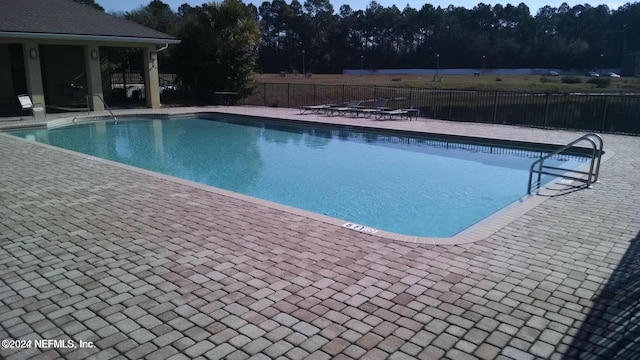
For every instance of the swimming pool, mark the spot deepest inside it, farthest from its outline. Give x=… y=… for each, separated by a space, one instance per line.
x=407 y=185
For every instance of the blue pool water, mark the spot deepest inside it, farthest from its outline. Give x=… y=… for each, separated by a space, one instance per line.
x=410 y=186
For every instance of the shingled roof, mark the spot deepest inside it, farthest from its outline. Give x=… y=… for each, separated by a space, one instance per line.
x=65 y=19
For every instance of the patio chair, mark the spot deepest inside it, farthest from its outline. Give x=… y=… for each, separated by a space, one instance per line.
x=342 y=110
x=26 y=104
x=378 y=105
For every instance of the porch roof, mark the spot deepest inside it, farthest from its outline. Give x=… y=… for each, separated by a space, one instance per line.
x=65 y=19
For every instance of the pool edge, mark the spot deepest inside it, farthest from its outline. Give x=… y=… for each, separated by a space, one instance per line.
x=476 y=232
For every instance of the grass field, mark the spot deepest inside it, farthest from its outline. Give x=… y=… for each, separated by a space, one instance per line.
x=523 y=83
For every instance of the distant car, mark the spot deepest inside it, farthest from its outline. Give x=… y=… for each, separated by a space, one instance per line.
x=613 y=75
x=553 y=73
x=593 y=74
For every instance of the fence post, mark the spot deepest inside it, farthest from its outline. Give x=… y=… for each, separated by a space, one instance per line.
x=495 y=106
x=288 y=93
x=604 y=113
x=546 y=110
x=343 y=92
x=411 y=98
x=314 y=94
x=450 y=104
x=264 y=93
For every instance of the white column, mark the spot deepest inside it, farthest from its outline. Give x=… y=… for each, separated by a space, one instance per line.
x=33 y=72
x=94 y=77
x=151 y=81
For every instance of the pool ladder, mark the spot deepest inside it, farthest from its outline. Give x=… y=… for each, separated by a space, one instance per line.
x=538 y=167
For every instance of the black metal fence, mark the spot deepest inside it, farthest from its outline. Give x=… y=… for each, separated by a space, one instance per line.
x=595 y=112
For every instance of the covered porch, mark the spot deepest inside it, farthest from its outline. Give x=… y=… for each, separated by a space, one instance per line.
x=61 y=54
x=70 y=77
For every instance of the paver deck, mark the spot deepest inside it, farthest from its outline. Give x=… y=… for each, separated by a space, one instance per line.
x=143 y=266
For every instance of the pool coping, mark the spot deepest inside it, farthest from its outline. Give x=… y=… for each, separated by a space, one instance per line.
x=476 y=232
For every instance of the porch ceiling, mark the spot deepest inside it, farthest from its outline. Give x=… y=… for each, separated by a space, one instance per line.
x=67 y=20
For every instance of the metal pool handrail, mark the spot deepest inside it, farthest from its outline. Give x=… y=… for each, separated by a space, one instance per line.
x=594 y=167
x=107 y=107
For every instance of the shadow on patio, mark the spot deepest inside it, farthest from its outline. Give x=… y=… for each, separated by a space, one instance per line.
x=612 y=327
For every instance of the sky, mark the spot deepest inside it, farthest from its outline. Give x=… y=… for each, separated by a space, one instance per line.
x=534 y=5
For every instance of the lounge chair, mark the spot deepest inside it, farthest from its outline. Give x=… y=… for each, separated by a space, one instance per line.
x=342 y=110
x=315 y=109
x=378 y=105
x=391 y=114
x=25 y=102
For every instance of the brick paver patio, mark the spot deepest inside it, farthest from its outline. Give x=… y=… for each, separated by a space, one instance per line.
x=143 y=266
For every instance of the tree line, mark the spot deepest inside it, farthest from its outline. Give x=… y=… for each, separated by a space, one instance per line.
x=497 y=36
x=279 y=36
x=578 y=37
